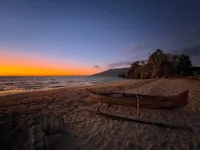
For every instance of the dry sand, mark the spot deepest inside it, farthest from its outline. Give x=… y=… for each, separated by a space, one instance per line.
x=94 y=132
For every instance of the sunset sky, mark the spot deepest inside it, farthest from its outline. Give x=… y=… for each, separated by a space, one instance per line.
x=82 y=37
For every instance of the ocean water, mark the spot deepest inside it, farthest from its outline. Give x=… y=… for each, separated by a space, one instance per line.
x=9 y=85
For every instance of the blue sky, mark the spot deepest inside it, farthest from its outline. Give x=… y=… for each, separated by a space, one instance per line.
x=99 y=32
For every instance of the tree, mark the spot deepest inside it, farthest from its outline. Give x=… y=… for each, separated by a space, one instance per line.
x=160 y=64
x=137 y=73
x=132 y=69
x=158 y=60
x=142 y=62
x=145 y=71
x=183 y=65
x=135 y=64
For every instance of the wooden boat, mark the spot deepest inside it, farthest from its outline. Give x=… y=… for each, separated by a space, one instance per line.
x=145 y=101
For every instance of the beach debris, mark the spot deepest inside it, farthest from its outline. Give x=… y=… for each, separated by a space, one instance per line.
x=139 y=120
x=138 y=105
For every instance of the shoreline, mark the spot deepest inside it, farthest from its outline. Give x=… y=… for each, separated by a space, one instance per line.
x=97 y=85
x=38 y=95
x=11 y=92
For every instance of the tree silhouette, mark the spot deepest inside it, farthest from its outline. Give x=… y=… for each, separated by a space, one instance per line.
x=160 y=64
x=183 y=65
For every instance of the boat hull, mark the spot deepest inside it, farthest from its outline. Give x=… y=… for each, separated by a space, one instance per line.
x=145 y=101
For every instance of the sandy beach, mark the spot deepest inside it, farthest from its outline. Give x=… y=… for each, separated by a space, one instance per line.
x=89 y=131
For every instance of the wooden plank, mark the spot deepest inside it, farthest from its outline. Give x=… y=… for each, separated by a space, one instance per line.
x=143 y=121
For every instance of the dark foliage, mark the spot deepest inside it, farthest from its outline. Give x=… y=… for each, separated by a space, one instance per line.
x=160 y=64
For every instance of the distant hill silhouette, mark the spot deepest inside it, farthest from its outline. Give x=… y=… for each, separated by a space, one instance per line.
x=113 y=72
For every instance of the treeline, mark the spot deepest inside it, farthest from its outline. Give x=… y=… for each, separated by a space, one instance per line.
x=160 y=64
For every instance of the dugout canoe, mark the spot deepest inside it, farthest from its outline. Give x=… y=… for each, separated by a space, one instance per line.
x=145 y=101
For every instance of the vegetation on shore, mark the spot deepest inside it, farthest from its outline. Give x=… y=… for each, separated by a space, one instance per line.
x=160 y=64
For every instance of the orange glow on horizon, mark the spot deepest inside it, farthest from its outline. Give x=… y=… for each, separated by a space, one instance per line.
x=18 y=65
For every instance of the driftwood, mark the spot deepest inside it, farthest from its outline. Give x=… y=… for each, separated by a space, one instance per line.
x=143 y=121
x=138 y=105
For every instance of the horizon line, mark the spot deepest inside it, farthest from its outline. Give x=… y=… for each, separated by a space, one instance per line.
x=38 y=75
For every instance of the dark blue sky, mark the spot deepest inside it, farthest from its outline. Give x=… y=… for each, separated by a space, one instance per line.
x=99 y=32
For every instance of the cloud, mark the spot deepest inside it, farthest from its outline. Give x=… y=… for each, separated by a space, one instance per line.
x=120 y=64
x=96 y=66
x=128 y=61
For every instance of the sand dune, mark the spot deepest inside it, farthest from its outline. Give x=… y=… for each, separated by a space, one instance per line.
x=94 y=132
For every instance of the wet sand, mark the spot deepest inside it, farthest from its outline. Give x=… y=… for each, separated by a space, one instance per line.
x=95 y=132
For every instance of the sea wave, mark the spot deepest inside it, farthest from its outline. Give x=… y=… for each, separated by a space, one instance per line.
x=19 y=84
